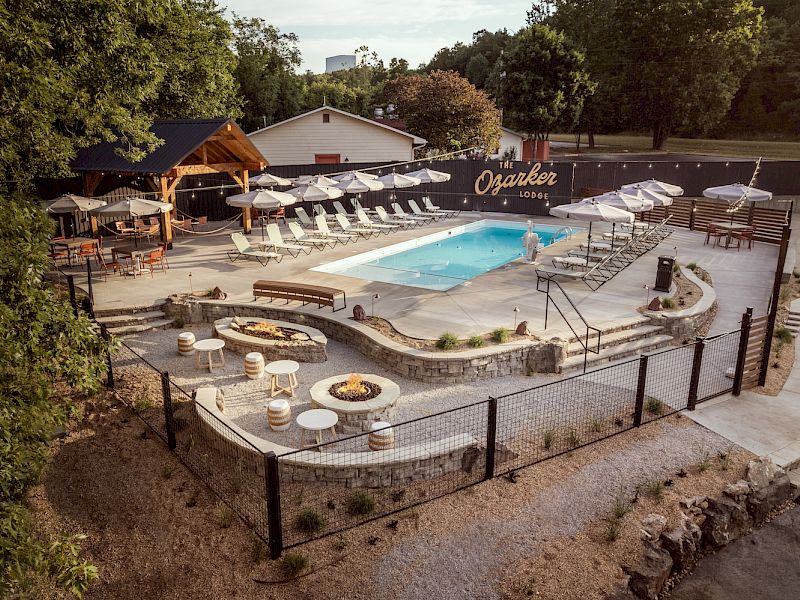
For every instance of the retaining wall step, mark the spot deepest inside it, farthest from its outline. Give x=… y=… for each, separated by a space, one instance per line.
x=129 y=310
x=616 y=338
x=619 y=351
x=560 y=329
x=139 y=318
x=145 y=326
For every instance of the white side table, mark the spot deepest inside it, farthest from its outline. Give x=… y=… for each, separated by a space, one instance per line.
x=282 y=367
x=209 y=346
x=316 y=420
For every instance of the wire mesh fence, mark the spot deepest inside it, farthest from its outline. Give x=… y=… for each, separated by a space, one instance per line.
x=669 y=375
x=718 y=365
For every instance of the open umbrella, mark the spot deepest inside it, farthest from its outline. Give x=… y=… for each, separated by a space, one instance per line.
x=398 y=180
x=261 y=199
x=315 y=193
x=644 y=194
x=659 y=187
x=591 y=212
x=623 y=201
x=69 y=204
x=132 y=208
x=430 y=176
x=269 y=180
x=736 y=192
x=319 y=180
x=355 y=175
x=359 y=186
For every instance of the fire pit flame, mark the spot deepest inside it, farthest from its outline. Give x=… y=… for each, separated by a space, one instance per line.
x=354 y=385
x=265 y=327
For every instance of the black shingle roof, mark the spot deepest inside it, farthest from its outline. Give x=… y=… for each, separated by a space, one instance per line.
x=181 y=137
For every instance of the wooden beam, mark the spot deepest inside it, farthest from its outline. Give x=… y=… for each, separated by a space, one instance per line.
x=205 y=154
x=167 y=195
x=182 y=170
x=91 y=180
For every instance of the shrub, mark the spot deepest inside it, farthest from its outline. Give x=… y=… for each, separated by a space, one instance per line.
x=597 y=425
x=447 y=341
x=784 y=334
x=142 y=404
x=654 y=406
x=310 y=521
x=676 y=267
x=692 y=266
x=655 y=488
x=294 y=563
x=178 y=322
x=573 y=439
x=724 y=459
x=225 y=515
x=360 y=503
x=476 y=341
x=620 y=507
x=500 y=335
x=549 y=438
x=612 y=528
x=704 y=462
x=667 y=303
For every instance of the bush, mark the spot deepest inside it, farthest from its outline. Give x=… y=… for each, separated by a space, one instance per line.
x=549 y=438
x=447 y=341
x=294 y=563
x=573 y=439
x=654 y=406
x=476 y=341
x=225 y=515
x=500 y=335
x=784 y=334
x=612 y=530
x=310 y=521
x=620 y=507
x=676 y=267
x=655 y=488
x=667 y=303
x=360 y=503
x=692 y=266
x=178 y=322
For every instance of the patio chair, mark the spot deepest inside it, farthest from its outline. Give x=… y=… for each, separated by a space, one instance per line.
x=717 y=234
x=202 y=223
x=364 y=220
x=356 y=204
x=155 y=257
x=385 y=218
x=348 y=227
x=58 y=254
x=114 y=265
x=303 y=217
x=244 y=250
x=573 y=262
x=324 y=231
x=320 y=210
x=276 y=239
x=433 y=208
x=744 y=236
x=401 y=214
x=417 y=211
x=86 y=250
x=301 y=237
x=341 y=211
x=278 y=213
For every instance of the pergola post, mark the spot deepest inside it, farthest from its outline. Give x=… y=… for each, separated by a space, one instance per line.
x=244 y=185
x=167 y=195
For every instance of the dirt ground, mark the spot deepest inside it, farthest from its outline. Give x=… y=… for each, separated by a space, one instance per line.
x=781 y=357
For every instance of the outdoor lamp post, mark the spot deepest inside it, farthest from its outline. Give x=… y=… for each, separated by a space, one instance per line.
x=374 y=297
x=516 y=312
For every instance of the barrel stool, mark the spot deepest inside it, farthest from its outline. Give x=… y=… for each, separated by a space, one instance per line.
x=254 y=365
x=186 y=343
x=381 y=440
x=279 y=415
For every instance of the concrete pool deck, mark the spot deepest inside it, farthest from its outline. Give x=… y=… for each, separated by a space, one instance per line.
x=486 y=302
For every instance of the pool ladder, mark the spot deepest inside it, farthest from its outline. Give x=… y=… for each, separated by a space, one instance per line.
x=567 y=230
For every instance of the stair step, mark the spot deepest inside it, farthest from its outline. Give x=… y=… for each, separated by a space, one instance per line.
x=605 y=328
x=145 y=326
x=619 y=351
x=130 y=319
x=616 y=338
x=129 y=310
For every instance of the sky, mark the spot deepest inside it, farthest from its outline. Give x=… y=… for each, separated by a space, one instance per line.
x=410 y=29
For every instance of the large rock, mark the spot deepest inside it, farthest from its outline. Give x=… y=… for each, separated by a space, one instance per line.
x=771 y=487
x=648 y=577
x=359 y=314
x=547 y=357
x=726 y=520
x=652 y=526
x=682 y=543
x=762 y=471
x=738 y=491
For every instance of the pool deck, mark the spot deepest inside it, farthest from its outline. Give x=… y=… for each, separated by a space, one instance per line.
x=741 y=279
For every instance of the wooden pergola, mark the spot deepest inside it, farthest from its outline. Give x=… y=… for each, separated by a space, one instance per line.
x=190 y=147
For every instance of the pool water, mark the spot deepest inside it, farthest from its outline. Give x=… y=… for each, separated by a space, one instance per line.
x=445 y=259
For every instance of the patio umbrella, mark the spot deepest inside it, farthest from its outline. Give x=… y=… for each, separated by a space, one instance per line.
x=430 y=176
x=69 y=204
x=268 y=180
x=398 y=180
x=591 y=212
x=315 y=193
x=656 y=198
x=735 y=192
x=132 y=208
x=261 y=199
x=319 y=180
x=355 y=175
x=359 y=186
x=659 y=187
x=622 y=201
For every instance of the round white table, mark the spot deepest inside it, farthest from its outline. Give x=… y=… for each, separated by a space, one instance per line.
x=209 y=346
x=282 y=367
x=316 y=420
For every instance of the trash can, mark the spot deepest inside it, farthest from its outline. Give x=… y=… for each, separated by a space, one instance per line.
x=664 y=273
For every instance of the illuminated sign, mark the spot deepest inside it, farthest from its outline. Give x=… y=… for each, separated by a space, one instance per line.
x=489 y=182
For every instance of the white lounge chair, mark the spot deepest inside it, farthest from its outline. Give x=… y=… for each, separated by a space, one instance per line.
x=301 y=237
x=347 y=227
x=364 y=220
x=276 y=240
x=573 y=262
x=324 y=231
x=433 y=208
x=418 y=211
x=385 y=218
x=401 y=214
x=320 y=210
x=303 y=217
x=341 y=211
x=244 y=250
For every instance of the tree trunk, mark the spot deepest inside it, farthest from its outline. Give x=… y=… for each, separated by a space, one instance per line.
x=577 y=140
x=591 y=137
x=660 y=135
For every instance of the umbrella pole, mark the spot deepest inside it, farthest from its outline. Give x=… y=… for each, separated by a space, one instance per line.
x=588 y=244
x=613 y=229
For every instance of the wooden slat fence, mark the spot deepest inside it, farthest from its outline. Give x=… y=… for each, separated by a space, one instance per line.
x=754 y=352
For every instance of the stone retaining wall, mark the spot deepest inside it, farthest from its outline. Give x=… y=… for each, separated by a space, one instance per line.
x=685 y=324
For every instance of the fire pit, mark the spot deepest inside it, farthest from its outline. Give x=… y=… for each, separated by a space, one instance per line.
x=358 y=399
x=276 y=340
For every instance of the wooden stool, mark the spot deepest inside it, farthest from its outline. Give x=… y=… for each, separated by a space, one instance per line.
x=381 y=436
x=282 y=367
x=279 y=415
x=254 y=365
x=186 y=343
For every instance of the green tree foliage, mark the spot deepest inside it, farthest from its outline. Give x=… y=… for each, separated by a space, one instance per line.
x=477 y=70
x=328 y=91
x=447 y=110
x=482 y=54
x=545 y=83
x=265 y=73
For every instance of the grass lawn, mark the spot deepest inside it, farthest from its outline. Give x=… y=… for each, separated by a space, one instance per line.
x=640 y=143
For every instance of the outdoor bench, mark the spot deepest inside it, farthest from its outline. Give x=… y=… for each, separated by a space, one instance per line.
x=303 y=292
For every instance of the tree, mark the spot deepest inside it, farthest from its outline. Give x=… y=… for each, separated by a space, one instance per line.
x=325 y=90
x=483 y=54
x=447 y=110
x=477 y=70
x=683 y=74
x=545 y=84
x=265 y=72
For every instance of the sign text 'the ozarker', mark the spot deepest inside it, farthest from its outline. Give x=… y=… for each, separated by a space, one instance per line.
x=489 y=182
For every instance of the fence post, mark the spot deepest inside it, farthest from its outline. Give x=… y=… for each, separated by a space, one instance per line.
x=72 y=299
x=637 y=414
x=89 y=286
x=272 y=481
x=773 y=306
x=694 y=382
x=168 y=420
x=109 y=367
x=491 y=436
x=744 y=339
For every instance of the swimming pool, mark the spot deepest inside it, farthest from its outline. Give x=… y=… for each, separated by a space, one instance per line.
x=443 y=260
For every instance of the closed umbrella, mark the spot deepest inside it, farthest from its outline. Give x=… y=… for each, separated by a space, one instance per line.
x=261 y=199
x=659 y=187
x=132 y=208
x=355 y=175
x=591 y=212
x=269 y=180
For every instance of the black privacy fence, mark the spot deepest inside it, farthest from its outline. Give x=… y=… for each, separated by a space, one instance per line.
x=303 y=495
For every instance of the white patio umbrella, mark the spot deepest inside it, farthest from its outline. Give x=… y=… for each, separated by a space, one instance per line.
x=622 y=201
x=735 y=192
x=659 y=187
x=132 y=208
x=315 y=193
x=359 y=186
x=644 y=194
x=430 y=176
x=591 y=212
x=319 y=180
x=355 y=175
x=398 y=180
x=69 y=204
x=261 y=199
x=269 y=180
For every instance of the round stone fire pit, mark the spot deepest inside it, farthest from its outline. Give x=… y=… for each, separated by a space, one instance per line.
x=356 y=415
x=276 y=340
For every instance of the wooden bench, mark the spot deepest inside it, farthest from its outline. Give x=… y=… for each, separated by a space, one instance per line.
x=303 y=292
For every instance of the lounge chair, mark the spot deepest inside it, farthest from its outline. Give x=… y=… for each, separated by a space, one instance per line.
x=303 y=217
x=341 y=211
x=364 y=220
x=347 y=227
x=417 y=211
x=433 y=208
x=324 y=231
x=401 y=214
x=572 y=262
x=385 y=218
x=276 y=240
x=301 y=237
x=243 y=250
x=320 y=210
x=357 y=205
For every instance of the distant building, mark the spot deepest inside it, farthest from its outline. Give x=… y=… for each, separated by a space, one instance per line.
x=342 y=62
x=510 y=141
x=328 y=135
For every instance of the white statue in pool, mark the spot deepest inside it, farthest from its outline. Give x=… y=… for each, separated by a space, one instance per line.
x=530 y=240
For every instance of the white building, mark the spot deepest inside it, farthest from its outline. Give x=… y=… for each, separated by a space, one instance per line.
x=342 y=62
x=328 y=135
x=509 y=139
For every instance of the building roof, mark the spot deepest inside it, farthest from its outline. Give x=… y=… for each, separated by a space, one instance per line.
x=182 y=137
x=512 y=132
x=416 y=140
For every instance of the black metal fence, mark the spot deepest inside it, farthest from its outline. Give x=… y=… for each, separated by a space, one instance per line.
x=307 y=494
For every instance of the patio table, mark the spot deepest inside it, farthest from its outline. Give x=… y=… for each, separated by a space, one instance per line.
x=72 y=245
x=135 y=253
x=316 y=420
x=731 y=228
x=209 y=346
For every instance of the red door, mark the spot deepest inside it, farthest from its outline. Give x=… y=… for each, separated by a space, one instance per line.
x=326 y=159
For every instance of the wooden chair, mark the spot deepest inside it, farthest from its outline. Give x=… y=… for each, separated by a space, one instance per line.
x=280 y=213
x=155 y=257
x=86 y=250
x=745 y=236
x=114 y=265
x=717 y=234
x=202 y=221
x=58 y=254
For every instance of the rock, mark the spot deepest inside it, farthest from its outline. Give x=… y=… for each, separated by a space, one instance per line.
x=218 y=294
x=59 y=432
x=503 y=453
x=737 y=491
x=655 y=304
x=469 y=458
x=726 y=520
x=652 y=526
x=682 y=543
x=761 y=472
x=359 y=314
x=648 y=577
x=522 y=329
x=693 y=501
x=764 y=500
x=547 y=357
